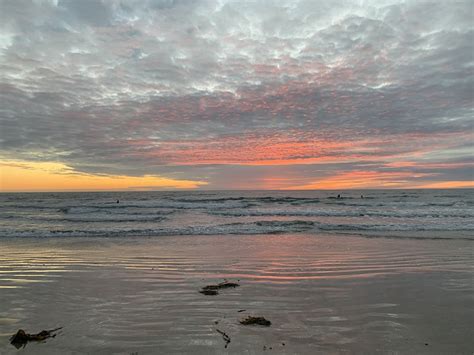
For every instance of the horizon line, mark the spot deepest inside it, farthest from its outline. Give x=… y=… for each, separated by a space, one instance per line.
x=231 y=190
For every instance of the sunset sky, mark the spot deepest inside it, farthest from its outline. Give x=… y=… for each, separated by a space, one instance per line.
x=163 y=94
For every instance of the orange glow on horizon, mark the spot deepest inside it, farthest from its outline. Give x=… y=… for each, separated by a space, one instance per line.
x=46 y=176
x=449 y=185
x=362 y=180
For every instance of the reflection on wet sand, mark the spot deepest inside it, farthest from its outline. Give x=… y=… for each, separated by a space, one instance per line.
x=322 y=293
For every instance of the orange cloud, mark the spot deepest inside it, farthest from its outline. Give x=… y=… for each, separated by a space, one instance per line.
x=293 y=147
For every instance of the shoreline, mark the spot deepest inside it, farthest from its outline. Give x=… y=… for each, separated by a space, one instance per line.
x=369 y=234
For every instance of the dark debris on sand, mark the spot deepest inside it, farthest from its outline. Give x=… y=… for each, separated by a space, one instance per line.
x=255 y=321
x=212 y=290
x=225 y=337
x=21 y=338
x=209 y=292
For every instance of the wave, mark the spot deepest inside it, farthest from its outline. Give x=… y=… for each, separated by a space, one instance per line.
x=238 y=202
x=340 y=213
x=110 y=218
x=259 y=227
x=246 y=202
x=394 y=227
x=115 y=211
x=243 y=228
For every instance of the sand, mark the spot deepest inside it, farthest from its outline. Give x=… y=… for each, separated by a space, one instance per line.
x=324 y=294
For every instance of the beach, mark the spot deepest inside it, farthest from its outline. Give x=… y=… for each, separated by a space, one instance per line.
x=324 y=294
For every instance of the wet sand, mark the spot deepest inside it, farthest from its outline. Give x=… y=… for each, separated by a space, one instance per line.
x=324 y=294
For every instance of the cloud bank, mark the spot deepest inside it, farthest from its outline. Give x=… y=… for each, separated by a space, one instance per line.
x=260 y=94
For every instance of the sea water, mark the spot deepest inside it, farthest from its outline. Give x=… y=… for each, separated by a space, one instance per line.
x=393 y=213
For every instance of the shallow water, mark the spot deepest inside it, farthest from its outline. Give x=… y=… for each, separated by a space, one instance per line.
x=325 y=294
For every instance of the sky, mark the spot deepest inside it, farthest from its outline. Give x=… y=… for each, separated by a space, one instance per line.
x=178 y=94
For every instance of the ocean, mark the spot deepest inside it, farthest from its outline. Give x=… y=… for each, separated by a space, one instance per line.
x=376 y=213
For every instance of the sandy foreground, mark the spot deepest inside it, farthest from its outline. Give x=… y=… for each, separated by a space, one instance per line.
x=324 y=294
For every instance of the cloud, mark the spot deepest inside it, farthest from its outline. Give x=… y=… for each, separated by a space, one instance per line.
x=209 y=88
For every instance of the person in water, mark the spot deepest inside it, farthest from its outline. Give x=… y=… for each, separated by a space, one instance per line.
x=118 y=201
x=338 y=196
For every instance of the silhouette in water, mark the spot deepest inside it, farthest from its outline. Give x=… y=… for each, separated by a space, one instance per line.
x=118 y=201
x=338 y=197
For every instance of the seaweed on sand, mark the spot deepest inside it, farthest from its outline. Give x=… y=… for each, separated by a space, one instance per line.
x=209 y=292
x=255 y=321
x=21 y=338
x=221 y=285
x=225 y=337
x=212 y=290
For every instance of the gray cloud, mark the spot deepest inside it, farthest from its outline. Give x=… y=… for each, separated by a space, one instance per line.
x=211 y=88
